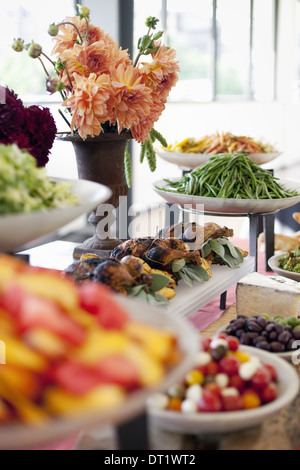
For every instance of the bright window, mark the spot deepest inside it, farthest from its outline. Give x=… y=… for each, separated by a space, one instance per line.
x=226 y=48
x=29 y=20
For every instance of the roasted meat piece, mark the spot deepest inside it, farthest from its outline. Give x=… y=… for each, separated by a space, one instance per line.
x=161 y=256
x=157 y=252
x=195 y=234
x=135 y=247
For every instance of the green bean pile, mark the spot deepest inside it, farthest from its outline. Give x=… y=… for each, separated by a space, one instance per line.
x=230 y=176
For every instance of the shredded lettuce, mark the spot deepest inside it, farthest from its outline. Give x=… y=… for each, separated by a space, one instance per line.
x=26 y=188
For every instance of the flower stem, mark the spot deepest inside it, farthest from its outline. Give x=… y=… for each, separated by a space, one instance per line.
x=141 y=52
x=45 y=55
x=69 y=78
x=87 y=28
x=45 y=70
x=77 y=30
x=64 y=118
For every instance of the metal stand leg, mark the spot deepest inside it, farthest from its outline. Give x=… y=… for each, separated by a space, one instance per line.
x=134 y=434
x=253 y=235
x=223 y=298
x=269 y=222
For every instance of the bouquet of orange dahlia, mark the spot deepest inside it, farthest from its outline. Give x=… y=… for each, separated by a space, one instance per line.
x=101 y=87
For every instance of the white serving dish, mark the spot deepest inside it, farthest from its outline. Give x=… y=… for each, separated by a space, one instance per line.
x=17 y=230
x=59 y=255
x=225 y=422
x=229 y=206
x=21 y=436
x=190 y=299
x=274 y=265
x=190 y=161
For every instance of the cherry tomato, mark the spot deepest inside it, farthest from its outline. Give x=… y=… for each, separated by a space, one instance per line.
x=237 y=382
x=232 y=403
x=213 y=387
x=229 y=365
x=205 y=342
x=261 y=378
x=212 y=368
x=233 y=343
x=223 y=336
x=209 y=402
x=194 y=377
x=273 y=372
x=269 y=393
x=174 y=404
x=250 y=400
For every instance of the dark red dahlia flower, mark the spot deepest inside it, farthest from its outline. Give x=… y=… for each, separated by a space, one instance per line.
x=31 y=128
x=41 y=130
x=12 y=115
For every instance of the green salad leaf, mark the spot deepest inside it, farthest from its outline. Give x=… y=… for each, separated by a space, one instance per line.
x=26 y=188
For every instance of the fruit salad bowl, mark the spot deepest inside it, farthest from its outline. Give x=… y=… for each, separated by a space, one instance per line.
x=24 y=436
x=230 y=421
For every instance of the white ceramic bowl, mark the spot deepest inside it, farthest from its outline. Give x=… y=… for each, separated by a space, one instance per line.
x=190 y=161
x=17 y=230
x=224 y=422
x=21 y=436
x=228 y=206
x=274 y=265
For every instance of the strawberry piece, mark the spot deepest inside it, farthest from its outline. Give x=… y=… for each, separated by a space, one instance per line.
x=75 y=377
x=78 y=378
x=99 y=301
x=118 y=370
x=35 y=312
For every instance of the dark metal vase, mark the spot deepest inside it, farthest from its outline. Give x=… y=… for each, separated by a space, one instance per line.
x=101 y=159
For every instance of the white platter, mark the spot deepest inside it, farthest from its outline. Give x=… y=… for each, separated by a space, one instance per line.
x=224 y=422
x=274 y=265
x=21 y=436
x=190 y=299
x=229 y=206
x=190 y=161
x=59 y=255
x=19 y=229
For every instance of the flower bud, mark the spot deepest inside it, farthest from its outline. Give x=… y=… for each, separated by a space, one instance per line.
x=84 y=12
x=18 y=45
x=34 y=50
x=151 y=22
x=53 y=29
x=52 y=84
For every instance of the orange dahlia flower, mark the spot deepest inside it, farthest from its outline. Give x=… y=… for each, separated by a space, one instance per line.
x=90 y=104
x=67 y=36
x=163 y=65
x=132 y=98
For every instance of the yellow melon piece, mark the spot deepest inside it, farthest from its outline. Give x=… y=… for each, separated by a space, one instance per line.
x=18 y=354
x=26 y=409
x=101 y=398
x=158 y=343
x=52 y=287
x=46 y=343
x=100 y=344
x=151 y=371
